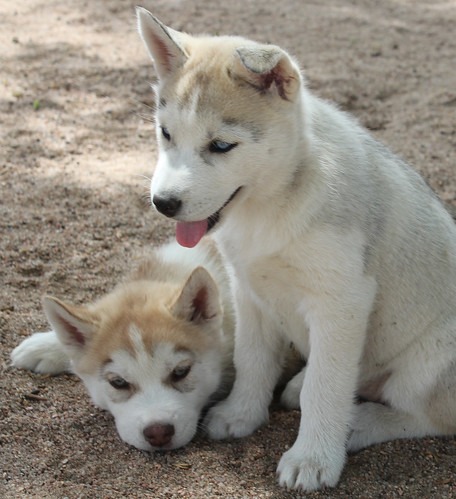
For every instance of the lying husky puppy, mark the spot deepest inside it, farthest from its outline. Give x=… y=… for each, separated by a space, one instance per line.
x=152 y=352
x=333 y=243
x=156 y=351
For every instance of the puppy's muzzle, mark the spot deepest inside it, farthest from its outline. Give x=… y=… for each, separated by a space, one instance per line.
x=168 y=206
x=159 y=434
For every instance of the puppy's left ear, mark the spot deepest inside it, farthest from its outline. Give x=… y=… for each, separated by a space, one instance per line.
x=267 y=67
x=199 y=300
x=74 y=326
x=162 y=43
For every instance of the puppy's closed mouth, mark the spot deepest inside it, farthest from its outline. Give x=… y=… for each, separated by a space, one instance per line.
x=189 y=234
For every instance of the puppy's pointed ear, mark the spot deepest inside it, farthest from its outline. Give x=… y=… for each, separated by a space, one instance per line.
x=74 y=326
x=161 y=42
x=267 y=67
x=199 y=300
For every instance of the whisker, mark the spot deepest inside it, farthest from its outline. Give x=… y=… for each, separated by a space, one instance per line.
x=146 y=200
x=137 y=101
x=149 y=179
x=148 y=119
x=201 y=426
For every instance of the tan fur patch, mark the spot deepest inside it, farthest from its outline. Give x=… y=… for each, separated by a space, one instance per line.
x=146 y=305
x=211 y=71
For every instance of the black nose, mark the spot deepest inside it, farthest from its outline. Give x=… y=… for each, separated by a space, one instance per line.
x=159 y=434
x=167 y=206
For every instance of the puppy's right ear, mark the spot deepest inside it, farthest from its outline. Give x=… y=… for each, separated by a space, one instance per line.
x=199 y=301
x=267 y=67
x=162 y=43
x=74 y=326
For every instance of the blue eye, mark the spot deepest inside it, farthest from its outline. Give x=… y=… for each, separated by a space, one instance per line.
x=220 y=146
x=165 y=133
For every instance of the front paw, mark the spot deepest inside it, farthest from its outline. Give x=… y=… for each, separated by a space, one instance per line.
x=40 y=353
x=230 y=420
x=306 y=471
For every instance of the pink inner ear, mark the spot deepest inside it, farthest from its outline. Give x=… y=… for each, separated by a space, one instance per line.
x=200 y=305
x=276 y=76
x=164 y=54
x=74 y=332
x=268 y=79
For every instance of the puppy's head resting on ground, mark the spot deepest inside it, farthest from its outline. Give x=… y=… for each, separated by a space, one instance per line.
x=149 y=352
x=223 y=104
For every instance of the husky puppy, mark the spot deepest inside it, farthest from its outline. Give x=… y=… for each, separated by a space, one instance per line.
x=153 y=352
x=332 y=243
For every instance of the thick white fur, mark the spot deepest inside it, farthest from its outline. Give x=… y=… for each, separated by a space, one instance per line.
x=332 y=243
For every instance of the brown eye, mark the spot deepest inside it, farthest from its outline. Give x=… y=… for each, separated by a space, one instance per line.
x=119 y=383
x=180 y=372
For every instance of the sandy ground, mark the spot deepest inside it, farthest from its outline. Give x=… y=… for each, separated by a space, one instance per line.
x=76 y=148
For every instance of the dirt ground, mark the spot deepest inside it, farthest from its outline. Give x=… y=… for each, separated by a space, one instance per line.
x=76 y=149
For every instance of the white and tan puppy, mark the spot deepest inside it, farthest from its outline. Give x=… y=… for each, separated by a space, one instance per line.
x=332 y=242
x=153 y=352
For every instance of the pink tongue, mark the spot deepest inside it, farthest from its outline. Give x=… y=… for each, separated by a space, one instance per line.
x=189 y=234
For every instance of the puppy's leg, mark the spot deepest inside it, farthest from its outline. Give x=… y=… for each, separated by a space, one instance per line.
x=337 y=329
x=375 y=423
x=290 y=395
x=258 y=367
x=41 y=353
x=429 y=414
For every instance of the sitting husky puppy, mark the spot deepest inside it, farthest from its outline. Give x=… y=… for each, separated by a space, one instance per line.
x=152 y=352
x=332 y=242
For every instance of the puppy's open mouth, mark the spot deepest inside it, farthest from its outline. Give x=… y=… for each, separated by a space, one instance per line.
x=189 y=234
